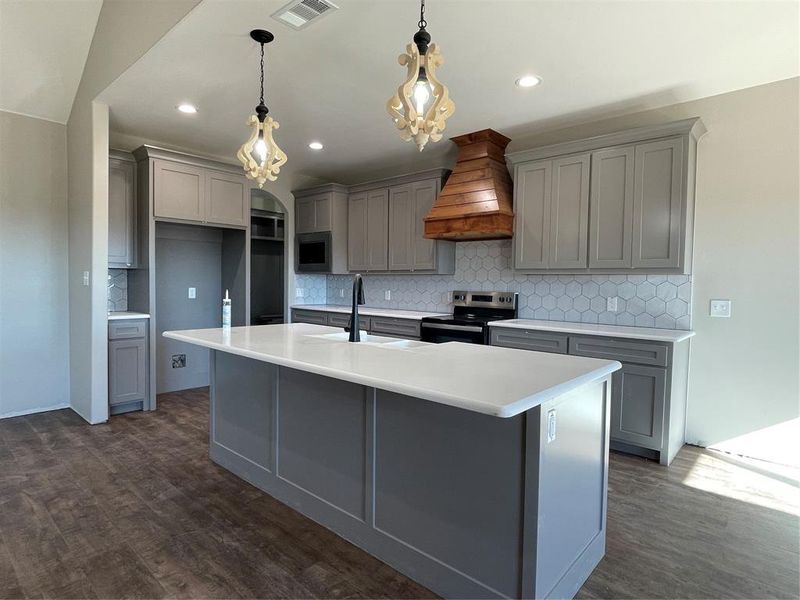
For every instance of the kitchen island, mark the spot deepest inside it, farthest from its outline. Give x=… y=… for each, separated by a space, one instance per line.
x=475 y=470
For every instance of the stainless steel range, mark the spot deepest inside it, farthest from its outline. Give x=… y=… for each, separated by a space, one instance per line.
x=472 y=312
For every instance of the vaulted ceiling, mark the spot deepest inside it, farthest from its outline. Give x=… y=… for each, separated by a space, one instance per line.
x=330 y=81
x=43 y=48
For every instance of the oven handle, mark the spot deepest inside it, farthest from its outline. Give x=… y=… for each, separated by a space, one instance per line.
x=453 y=327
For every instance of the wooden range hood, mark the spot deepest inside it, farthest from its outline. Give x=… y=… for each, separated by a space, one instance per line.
x=476 y=202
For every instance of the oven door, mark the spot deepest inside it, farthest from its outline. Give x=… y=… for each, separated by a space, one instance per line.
x=313 y=252
x=448 y=332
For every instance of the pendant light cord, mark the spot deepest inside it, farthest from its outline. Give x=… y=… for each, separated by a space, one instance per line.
x=422 y=22
x=262 y=73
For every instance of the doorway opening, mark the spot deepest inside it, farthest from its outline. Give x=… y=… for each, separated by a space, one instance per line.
x=267 y=259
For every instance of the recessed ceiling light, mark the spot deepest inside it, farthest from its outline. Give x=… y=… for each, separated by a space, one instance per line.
x=189 y=109
x=527 y=81
x=316 y=145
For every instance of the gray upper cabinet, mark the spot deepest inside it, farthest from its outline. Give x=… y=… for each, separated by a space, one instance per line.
x=357 y=257
x=377 y=233
x=657 y=206
x=552 y=213
x=228 y=198
x=611 y=203
x=532 y=186
x=429 y=255
x=121 y=213
x=401 y=228
x=178 y=191
x=569 y=212
x=368 y=233
x=313 y=213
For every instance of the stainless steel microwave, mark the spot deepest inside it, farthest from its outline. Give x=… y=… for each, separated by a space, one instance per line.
x=312 y=252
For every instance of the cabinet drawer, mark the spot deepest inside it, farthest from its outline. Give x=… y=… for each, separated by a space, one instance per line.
x=310 y=316
x=629 y=351
x=343 y=320
x=529 y=339
x=126 y=329
x=395 y=327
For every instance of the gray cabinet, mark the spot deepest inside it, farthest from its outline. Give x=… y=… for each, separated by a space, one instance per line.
x=228 y=199
x=122 y=243
x=385 y=326
x=611 y=213
x=637 y=405
x=313 y=213
x=657 y=205
x=186 y=192
x=127 y=365
x=314 y=317
x=552 y=213
x=636 y=214
x=368 y=230
x=391 y=326
x=386 y=227
x=648 y=395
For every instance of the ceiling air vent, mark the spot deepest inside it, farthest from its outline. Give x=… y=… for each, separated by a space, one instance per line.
x=299 y=14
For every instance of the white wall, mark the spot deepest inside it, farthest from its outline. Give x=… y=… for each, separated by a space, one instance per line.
x=744 y=370
x=34 y=356
x=112 y=51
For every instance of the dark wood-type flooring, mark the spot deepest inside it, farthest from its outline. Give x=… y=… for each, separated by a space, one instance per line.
x=134 y=508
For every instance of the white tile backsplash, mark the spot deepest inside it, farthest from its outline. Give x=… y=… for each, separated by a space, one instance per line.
x=642 y=300
x=117 y=290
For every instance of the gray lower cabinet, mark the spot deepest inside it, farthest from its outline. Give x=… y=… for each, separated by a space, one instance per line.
x=648 y=395
x=315 y=317
x=637 y=405
x=122 y=245
x=127 y=365
x=385 y=326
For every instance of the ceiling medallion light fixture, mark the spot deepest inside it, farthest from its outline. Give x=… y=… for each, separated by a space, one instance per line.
x=260 y=155
x=422 y=103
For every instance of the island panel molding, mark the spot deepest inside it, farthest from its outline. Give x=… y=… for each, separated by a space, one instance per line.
x=480 y=507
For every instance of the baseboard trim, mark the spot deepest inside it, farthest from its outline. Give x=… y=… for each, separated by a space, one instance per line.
x=32 y=411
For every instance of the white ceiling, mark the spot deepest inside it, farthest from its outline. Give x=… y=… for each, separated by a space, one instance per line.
x=331 y=81
x=43 y=48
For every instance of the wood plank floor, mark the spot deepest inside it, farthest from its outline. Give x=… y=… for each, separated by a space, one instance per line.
x=134 y=509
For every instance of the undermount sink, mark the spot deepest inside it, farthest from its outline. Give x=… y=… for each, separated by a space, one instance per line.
x=370 y=340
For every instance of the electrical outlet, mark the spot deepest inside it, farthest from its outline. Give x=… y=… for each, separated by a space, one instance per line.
x=387 y=295
x=341 y=292
x=300 y=292
x=720 y=308
x=611 y=304
x=178 y=361
x=192 y=293
x=551 y=425
x=86 y=278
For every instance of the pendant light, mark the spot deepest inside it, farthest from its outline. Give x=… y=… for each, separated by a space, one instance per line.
x=260 y=156
x=422 y=103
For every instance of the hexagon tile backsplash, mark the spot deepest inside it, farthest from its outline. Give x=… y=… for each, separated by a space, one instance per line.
x=117 y=290
x=642 y=300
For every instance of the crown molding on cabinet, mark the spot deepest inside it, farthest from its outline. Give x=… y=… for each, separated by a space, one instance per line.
x=147 y=151
x=693 y=127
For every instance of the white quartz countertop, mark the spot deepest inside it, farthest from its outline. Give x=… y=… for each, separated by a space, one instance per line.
x=126 y=314
x=617 y=331
x=491 y=380
x=369 y=312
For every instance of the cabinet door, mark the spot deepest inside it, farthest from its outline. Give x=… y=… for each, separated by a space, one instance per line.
x=423 y=195
x=569 y=213
x=322 y=212
x=401 y=228
x=127 y=370
x=611 y=208
x=657 y=204
x=227 y=199
x=178 y=191
x=532 y=185
x=378 y=230
x=637 y=405
x=121 y=213
x=357 y=232
x=305 y=219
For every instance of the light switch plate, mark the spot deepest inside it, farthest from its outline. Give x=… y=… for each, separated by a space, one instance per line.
x=720 y=308
x=86 y=278
x=192 y=293
x=611 y=304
